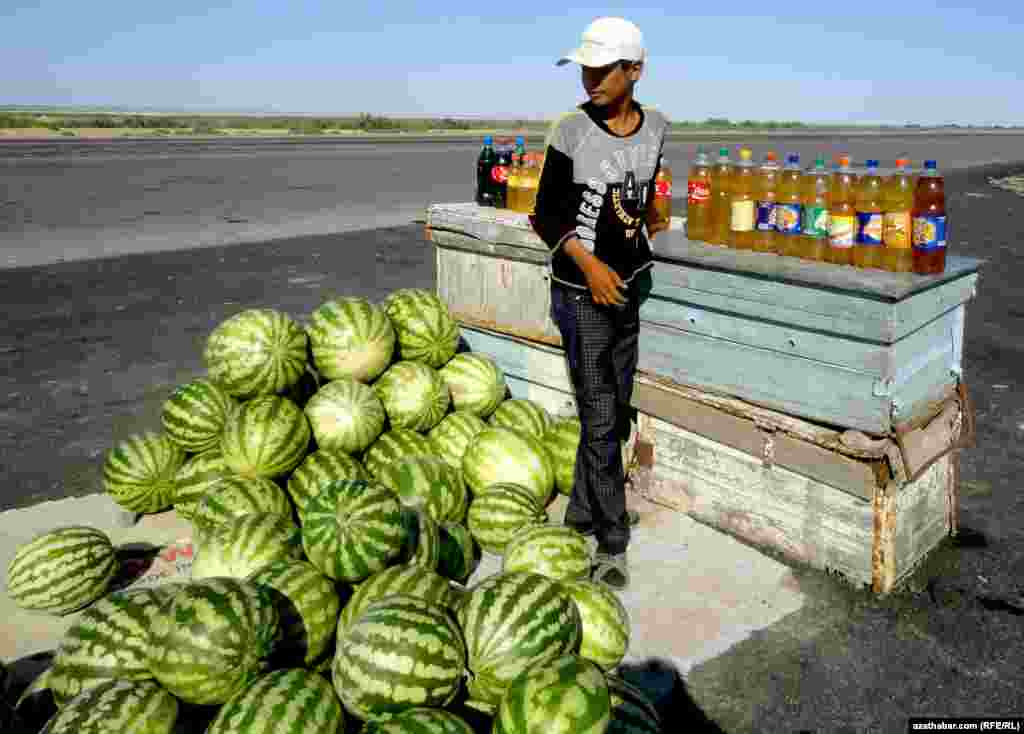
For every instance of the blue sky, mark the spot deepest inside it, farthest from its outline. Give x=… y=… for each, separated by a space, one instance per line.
x=868 y=62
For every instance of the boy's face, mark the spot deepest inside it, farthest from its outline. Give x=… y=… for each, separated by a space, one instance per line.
x=608 y=84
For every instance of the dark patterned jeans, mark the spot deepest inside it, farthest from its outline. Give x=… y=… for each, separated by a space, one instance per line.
x=601 y=347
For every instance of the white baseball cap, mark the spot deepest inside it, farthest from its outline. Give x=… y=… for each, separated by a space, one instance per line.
x=606 y=41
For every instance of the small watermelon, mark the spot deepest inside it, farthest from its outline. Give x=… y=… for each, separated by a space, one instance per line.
x=499 y=455
x=522 y=415
x=243 y=544
x=398 y=443
x=265 y=437
x=139 y=472
x=422 y=545
x=555 y=551
x=460 y=553
x=420 y=721
x=351 y=338
x=500 y=512
x=235 y=496
x=411 y=580
x=256 y=352
x=319 y=468
x=195 y=478
x=193 y=416
x=476 y=383
x=565 y=694
x=353 y=529
x=346 y=414
x=62 y=570
x=562 y=442
x=211 y=639
x=425 y=329
x=605 y=620
x=413 y=394
x=401 y=653
x=428 y=482
x=121 y=706
x=292 y=700
x=451 y=437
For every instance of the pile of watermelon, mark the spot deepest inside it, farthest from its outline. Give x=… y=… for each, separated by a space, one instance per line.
x=343 y=479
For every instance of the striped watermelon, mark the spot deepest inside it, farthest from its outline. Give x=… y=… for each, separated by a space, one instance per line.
x=460 y=553
x=500 y=512
x=347 y=415
x=139 y=472
x=402 y=652
x=108 y=641
x=425 y=329
x=265 y=437
x=319 y=468
x=522 y=415
x=411 y=580
x=121 y=706
x=243 y=544
x=210 y=640
x=511 y=621
x=292 y=700
x=503 y=455
x=308 y=605
x=256 y=352
x=62 y=570
x=606 y=628
x=420 y=721
x=632 y=710
x=413 y=394
x=476 y=383
x=235 y=496
x=562 y=442
x=555 y=551
x=422 y=545
x=450 y=438
x=194 y=415
x=428 y=482
x=398 y=443
x=352 y=529
x=195 y=478
x=567 y=694
x=351 y=338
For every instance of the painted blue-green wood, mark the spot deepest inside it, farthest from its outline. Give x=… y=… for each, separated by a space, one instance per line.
x=811 y=389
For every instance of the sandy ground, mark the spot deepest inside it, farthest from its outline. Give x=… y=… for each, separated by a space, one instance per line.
x=94 y=345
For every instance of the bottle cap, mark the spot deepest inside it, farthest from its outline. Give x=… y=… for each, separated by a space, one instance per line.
x=844 y=161
x=488 y=140
x=872 y=163
x=745 y=154
x=819 y=162
x=929 y=164
x=793 y=158
x=770 y=156
x=902 y=162
x=519 y=140
x=723 y=152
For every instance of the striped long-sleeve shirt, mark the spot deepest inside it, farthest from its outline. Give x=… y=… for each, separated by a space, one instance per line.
x=598 y=186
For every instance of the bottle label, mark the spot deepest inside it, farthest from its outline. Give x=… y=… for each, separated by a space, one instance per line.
x=869 y=228
x=742 y=216
x=929 y=232
x=698 y=192
x=815 y=221
x=663 y=189
x=788 y=218
x=897 y=232
x=499 y=174
x=766 y=216
x=842 y=229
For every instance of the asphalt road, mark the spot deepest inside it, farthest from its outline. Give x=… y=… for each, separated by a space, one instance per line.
x=93 y=346
x=70 y=200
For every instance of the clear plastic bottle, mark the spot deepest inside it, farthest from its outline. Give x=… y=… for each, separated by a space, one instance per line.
x=766 y=189
x=897 y=232
x=813 y=239
x=789 y=208
x=867 y=250
x=721 y=212
x=742 y=204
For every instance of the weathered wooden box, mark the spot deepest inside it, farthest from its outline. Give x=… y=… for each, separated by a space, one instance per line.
x=843 y=346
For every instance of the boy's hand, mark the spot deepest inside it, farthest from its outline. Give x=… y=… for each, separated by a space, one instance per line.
x=604 y=283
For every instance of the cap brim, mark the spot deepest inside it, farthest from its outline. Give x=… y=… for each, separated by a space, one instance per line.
x=588 y=57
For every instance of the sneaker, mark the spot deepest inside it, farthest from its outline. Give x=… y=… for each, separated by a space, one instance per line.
x=611 y=570
x=588 y=530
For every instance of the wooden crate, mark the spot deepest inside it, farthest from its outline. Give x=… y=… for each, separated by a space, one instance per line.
x=870 y=510
x=843 y=346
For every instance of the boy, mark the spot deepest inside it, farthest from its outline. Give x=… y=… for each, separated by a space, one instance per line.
x=594 y=199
